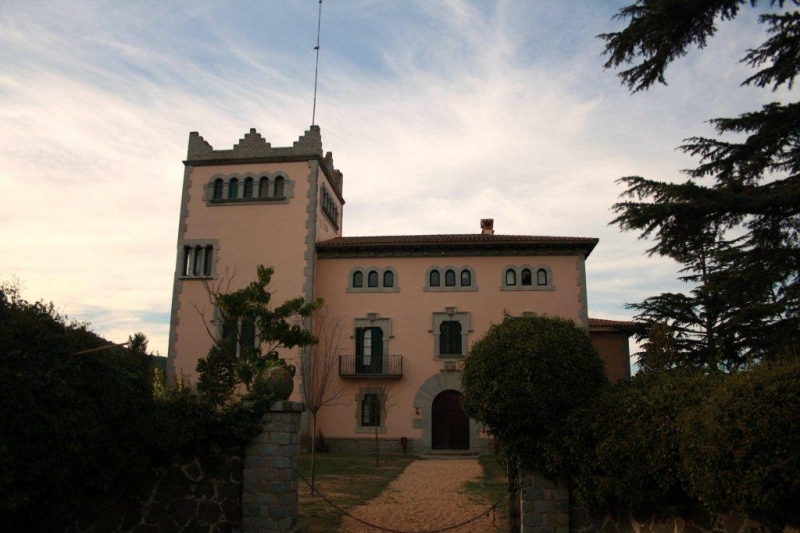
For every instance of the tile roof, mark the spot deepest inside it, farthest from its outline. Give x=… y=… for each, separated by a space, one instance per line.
x=468 y=239
x=617 y=324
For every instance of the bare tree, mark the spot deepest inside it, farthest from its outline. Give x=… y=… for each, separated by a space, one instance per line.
x=319 y=382
x=380 y=402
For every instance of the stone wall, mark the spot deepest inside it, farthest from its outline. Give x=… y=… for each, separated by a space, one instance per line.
x=187 y=497
x=366 y=446
x=693 y=521
x=545 y=508
x=269 y=494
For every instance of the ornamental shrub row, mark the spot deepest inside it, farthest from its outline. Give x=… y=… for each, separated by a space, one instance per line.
x=664 y=442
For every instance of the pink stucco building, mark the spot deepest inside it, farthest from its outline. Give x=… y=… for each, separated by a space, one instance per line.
x=412 y=305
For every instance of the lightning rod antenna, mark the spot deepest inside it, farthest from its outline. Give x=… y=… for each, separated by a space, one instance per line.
x=316 y=67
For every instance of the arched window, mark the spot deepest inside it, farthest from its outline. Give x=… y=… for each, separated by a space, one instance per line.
x=466 y=278
x=450 y=278
x=434 y=281
x=388 y=279
x=372 y=279
x=233 y=188
x=263 y=187
x=248 y=188
x=541 y=277
x=358 y=279
x=278 y=187
x=218 y=189
x=511 y=277
x=525 y=276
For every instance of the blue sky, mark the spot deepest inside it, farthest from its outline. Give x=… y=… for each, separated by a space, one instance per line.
x=438 y=113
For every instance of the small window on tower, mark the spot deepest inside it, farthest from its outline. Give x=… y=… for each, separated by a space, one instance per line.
x=279 y=187
x=511 y=277
x=248 y=188
x=358 y=279
x=435 y=279
x=233 y=188
x=450 y=278
x=372 y=279
x=388 y=279
x=525 y=276
x=218 y=189
x=263 y=187
x=541 y=277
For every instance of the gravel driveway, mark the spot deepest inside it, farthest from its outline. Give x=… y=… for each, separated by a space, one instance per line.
x=428 y=495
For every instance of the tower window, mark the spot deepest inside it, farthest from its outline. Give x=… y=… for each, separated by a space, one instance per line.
x=388 y=278
x=248 y=188
x=525 y=276
x=435 y=281
x=263 y=187
x=358 y=279
x=450 y=278
x=218 y=189
x=466 y=278
x=278 y=187
x=233 y=188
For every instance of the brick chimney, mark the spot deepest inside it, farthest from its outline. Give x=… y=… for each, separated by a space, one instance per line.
x=487 y=226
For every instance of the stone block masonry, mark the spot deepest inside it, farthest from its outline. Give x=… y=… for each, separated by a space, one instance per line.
x=269 y=493
x=544 y=505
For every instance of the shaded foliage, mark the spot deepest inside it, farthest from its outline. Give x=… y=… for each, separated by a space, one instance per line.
x=78 y=430
x=668 y=442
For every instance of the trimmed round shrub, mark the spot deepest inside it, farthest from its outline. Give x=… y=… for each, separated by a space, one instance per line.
x=524 y=379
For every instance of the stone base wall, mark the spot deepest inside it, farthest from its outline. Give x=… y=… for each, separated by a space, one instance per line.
x=694 y=521
x=188 y=497
x=365 y=446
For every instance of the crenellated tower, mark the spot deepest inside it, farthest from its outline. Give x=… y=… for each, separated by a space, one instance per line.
x=253 y=204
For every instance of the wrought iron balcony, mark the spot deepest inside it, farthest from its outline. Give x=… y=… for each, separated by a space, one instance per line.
x=375 y=366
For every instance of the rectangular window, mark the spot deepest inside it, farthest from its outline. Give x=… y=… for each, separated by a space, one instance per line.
x=369 y=350
x=450 y=338
x=370 y=410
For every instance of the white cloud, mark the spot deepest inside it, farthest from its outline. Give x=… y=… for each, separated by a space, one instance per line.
x=439 y=114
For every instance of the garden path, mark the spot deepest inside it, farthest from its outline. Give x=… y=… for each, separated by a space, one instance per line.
x=427 y=496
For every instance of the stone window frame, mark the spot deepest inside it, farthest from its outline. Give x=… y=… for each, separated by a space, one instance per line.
x=359 y=398
x=365 y=274
x=518 y=272
x=288 y=188
x=442 y=287
x=450 y=313
x=194 y=244
x=372 y=320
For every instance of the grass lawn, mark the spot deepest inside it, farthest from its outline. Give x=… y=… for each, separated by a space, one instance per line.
x=346 y=480
x=350 y=480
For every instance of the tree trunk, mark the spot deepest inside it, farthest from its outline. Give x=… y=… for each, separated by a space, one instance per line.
x=377 y=451
x=513 y=497
x=313 y=448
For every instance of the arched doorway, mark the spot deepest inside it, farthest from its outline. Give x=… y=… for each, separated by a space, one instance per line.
x=449 y=422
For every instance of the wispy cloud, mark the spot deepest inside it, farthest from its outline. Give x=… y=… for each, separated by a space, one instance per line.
x=439 y=114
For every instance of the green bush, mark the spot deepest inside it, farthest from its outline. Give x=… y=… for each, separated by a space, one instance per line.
x=76 y=430
x=523 y=380
x=741 y=447
x=629 y=444
x=669 y=441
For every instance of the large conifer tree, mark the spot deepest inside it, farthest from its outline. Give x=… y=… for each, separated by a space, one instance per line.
x=734 y=224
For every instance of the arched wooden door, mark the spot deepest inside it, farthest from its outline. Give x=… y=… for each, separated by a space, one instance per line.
x=450 y=425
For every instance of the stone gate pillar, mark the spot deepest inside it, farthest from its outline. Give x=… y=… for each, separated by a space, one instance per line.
x=269 y=481
x=544 y=504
